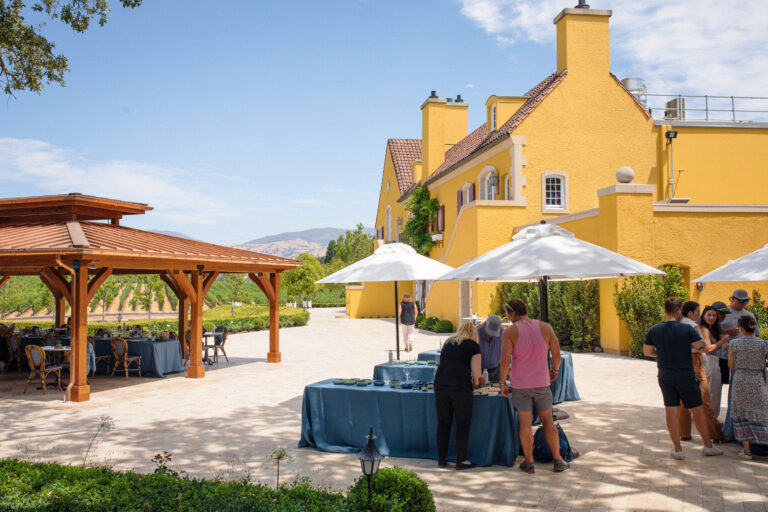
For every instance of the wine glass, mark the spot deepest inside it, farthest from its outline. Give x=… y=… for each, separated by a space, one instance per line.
x=407 y=372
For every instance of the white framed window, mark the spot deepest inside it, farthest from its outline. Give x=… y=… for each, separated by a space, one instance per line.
x=467 y=193
x=493 y=117
x=507 y=188
x=489 y=183
x=388 y=223
x=399 y=226
x=554 y=192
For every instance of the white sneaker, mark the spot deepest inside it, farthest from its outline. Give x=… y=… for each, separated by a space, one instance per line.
x=744 y=455
x=711 y=451
x=677 y=455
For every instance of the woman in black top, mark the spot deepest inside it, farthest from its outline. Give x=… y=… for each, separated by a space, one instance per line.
x=459 y=370
x=407 y=313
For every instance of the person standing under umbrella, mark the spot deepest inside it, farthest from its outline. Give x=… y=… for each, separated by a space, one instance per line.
x=529 y=343
x=730 y=326
x=407 y=313
x=459 y=370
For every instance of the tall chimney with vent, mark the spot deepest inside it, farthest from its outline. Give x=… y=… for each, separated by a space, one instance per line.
x=583 y=44
x=444 y=122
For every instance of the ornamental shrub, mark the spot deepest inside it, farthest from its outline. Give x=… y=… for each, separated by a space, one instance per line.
x=443 y=326
x=640 y=302
x=395 y=488
x=430 y=322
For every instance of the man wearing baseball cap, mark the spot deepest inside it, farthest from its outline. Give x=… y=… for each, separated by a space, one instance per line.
x=729 y=325
x=489 y=339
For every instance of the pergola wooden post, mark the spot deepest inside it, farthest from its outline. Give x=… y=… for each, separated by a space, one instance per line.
x=271 y=288
x=79 y=388
x=60 y=309
x=182 y=308
x=196 y=369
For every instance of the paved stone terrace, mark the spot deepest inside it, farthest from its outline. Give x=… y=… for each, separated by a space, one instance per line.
x=227 y=423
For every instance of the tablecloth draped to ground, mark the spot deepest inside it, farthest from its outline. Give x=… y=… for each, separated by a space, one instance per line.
x=336 y=418
x=157 y=357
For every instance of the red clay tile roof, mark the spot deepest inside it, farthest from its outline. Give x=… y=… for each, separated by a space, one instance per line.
x=403 y=152
x=120 y=240
x=477 y=140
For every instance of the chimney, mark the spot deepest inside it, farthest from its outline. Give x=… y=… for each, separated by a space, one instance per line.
x=443 y=124
x=582 y=41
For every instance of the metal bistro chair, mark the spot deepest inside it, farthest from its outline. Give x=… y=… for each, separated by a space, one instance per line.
x=105 y=358
x=36 y=359
x=122 y=359
x=14 y=349
x=219 y=339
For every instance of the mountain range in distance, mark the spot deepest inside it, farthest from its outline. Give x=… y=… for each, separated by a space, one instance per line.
x=291 y=244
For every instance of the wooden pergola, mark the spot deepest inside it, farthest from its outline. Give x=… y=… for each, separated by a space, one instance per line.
x=80 y=237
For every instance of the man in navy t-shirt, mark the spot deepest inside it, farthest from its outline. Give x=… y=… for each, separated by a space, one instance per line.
x=671 y=342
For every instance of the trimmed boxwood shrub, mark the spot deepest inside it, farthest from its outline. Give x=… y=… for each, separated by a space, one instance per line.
x=394 y=489
x=430 y=322
x=443 y=326
x=420 y=320
x=48 y=486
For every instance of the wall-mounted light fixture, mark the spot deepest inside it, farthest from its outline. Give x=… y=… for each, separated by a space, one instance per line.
x=699 y=286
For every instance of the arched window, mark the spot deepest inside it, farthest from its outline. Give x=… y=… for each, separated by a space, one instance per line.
x=554 y=192
x=489 y=183
x=399 y=225
x=388 y=223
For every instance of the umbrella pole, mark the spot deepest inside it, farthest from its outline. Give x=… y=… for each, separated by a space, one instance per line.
x=543 y=299
x=397 y=325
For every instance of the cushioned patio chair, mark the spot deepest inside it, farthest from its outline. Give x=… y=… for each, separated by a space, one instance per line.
x=122 y=360
x=39 y=368
x=99 y=359
x=14 y=351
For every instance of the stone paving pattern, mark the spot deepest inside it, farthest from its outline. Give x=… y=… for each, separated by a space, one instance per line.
x=227 y=423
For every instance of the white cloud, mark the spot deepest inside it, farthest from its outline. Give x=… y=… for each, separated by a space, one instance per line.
x=470 y=86
x=686 y=46
x=309 y=202
x=177 y=195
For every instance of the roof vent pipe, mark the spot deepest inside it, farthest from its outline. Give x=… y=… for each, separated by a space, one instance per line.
x=449 y=100
x=433 y=95
x=582 y=5
x=458 y=99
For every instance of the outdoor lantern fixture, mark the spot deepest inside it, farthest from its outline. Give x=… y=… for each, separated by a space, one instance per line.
x=669 y=135
x=494 y=180
x=370 y=458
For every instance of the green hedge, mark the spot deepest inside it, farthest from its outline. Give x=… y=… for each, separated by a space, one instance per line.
x=443 y=326
x=47 y=486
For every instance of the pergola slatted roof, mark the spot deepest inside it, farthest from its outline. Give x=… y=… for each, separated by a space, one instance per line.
x=58 y=236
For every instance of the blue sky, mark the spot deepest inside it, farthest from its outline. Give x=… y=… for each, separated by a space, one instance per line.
x=242 y=119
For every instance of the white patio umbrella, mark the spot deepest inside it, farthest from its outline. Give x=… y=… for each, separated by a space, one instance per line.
x=391 y=262
x=543 y=253
x=752 y=267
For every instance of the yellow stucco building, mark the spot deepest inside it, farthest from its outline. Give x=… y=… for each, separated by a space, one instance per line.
x=553 y=154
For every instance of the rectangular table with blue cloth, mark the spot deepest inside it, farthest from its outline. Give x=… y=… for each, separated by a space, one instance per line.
x=563 y=387
x=396 y=371
x=336 y=418
x=157 y=357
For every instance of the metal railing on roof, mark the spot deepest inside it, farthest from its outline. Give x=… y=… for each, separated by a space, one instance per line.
x=691 y=107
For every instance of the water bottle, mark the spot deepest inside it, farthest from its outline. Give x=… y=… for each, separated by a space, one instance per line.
x=390 y=356
x=485 y=376
x=440 y=348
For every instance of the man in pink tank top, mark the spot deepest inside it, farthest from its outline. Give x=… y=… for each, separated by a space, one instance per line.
x=529 y=343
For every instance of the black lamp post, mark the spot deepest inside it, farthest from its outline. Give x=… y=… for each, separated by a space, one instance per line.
x=370 y=457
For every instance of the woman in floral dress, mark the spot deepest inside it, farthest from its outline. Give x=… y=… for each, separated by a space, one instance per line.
x=749 y=396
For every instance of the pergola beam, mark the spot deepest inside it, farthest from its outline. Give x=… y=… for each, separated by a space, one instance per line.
x=55 y=281
x=95 y=283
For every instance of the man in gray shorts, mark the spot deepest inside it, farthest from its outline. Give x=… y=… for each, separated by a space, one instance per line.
x=528 y=342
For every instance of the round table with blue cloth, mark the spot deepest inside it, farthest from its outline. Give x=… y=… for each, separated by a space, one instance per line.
x=336 y=418
x=563 y=387
x=396 y=371
x=157 y=357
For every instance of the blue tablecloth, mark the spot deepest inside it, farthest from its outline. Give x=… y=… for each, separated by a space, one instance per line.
x=396 y=371
x=429 y=355
x=563 y=387
x=336 y=419
x=157 y=357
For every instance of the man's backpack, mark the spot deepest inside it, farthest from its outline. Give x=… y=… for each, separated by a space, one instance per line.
x=541 y=451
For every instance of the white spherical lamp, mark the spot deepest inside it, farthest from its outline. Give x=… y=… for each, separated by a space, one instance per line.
x=625 y=174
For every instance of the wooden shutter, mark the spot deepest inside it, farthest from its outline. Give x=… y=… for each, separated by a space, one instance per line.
x=471 y=193
x=459 y=197
x=441 y=223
